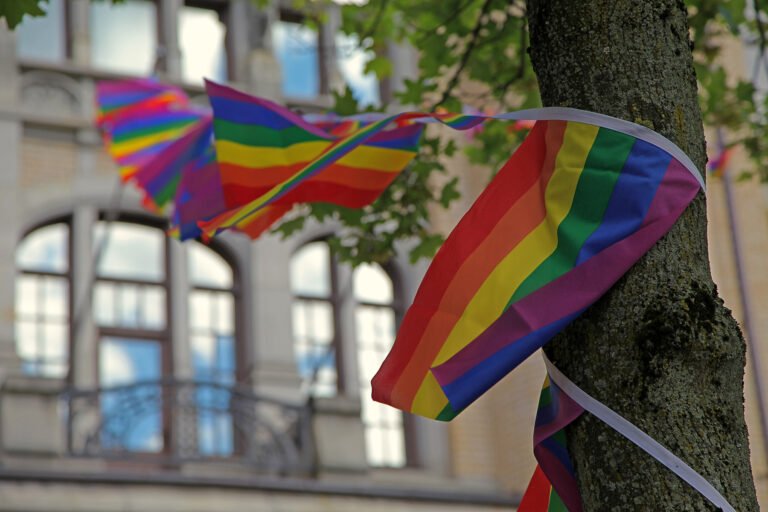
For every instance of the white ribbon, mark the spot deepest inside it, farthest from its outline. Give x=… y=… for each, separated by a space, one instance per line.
x=612 y=123
x=637 y=436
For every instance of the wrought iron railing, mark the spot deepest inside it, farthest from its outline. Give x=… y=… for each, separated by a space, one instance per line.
x=173 y=422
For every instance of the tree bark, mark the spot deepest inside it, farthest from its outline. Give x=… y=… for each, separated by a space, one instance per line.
x=660 y=349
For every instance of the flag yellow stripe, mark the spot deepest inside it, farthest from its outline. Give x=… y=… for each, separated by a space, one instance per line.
x=380 y=159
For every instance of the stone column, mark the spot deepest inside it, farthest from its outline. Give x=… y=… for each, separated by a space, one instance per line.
x=84 y=356
x=329 y=70
x=273 y=371
x=239 y=28
x=10 y=143
x=179 y=301
x=169 y=53
x=259 y=70
x=80 y=31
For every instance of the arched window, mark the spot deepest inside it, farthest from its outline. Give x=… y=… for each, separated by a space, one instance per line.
x=214 y=352
x=318 y=293
x=315 y=318
x=375 y=328
x=131 y=308
x=42 y=300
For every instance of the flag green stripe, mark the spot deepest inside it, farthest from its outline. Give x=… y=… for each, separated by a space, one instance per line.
x=593 y=192
x=151 y=130
x=255 y=135
x=555 y=503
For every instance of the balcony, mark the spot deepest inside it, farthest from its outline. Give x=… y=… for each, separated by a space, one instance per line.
x=167 y=425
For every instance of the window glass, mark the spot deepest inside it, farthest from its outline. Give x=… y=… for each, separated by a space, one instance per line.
x=310 y=270
x=296 y=49
x=42 y=37
x=201 y=37
x=42 y=302
x=313 y=346
x=206 y=268
x=124 y=36
x=214 y=366
x=351 y=61
x=131 y=413
x=129 y=305
x=372 y=284
x=212 y=331
x=129 y=251
x=44 y=250
x=375 y=330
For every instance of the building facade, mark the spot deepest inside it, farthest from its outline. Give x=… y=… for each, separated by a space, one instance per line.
x=140 y=373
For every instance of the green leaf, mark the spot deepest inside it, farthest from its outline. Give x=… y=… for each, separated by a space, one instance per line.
x=344 y=103
x=449 y=193
x=14 y=10
x=426 y=248
x=380 y=66
x=289 y=227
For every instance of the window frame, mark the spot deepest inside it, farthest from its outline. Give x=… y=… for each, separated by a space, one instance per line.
x=65 y=219
x=335 y=299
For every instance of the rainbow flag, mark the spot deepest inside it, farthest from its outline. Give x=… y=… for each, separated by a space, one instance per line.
x=261 y=145
x=139 y=119
x=555 y=411
x=718 y=165
x=160 y=176
x=199 y=194
x=570 y=212
x=115 y=98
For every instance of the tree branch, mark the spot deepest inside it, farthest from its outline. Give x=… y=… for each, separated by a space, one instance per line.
x=763 y=45
x=455 y=14
x=467 y=53
x=375 y=23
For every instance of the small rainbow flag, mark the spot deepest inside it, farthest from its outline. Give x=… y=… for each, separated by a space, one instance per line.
x=570 y=212
x=556 y=410
x=115 y=98
x=260 y=146
x=199 y=194
x=139 y=119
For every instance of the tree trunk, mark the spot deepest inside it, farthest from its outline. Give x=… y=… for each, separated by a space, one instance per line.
x=660 y=349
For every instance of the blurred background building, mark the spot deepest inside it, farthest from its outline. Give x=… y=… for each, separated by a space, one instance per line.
x=140 y=373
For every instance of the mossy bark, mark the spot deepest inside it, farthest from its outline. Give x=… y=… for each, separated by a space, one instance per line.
x=660 y=349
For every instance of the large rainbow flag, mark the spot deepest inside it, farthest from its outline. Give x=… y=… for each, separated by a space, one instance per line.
x=569 y=213
x=579 y=202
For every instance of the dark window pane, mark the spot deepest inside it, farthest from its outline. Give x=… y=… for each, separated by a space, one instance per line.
x=131 y=410
x=313 y=346
x=42 y=331
x=45 y=250
x=206 y=268
x=296 y=50
x=42 y=38
x=372 y=284
x=310 y=270
x=384 y=435
x=201 y=37
x=124 y=36
x=351 y=61
x=130 y=251
x=129 y=305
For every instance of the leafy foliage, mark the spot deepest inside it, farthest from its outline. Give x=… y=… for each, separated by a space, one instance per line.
x=14 y=11
x=473 y=53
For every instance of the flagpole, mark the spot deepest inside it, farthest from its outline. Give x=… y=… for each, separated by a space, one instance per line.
x=746 y=303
